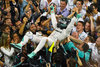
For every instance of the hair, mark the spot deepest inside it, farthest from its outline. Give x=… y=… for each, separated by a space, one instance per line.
x=81 y=22
x=6 y=19
x=17 y=35
x=81 y=1
x=4 y=26
x=89 y=10
x=42 y=18
x=3 y=40
x=91 y=39
x=87 y=21
x=95 y=5
x=85 y=47
x=72 y=62
x=66 y=1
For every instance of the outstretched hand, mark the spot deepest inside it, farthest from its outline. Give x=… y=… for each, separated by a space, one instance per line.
x=22 y=59
x=25 y=19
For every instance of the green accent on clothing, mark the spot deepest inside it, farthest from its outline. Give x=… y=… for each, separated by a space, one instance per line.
x=78 y=16
x=87 y=55
x=81 y=54
x=52 y=9
x=23 y=39
x=31 y=55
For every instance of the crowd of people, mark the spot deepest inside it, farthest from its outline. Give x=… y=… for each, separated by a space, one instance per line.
x=49 y=33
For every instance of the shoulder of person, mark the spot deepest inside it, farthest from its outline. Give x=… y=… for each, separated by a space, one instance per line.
x=98 y=13
x=83 y=34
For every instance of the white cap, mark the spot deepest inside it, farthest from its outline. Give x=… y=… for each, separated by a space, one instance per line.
x=81 y=19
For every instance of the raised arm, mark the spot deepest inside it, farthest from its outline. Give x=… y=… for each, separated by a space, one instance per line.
x=92 y=25
x=23 y=26
x=70 y=26
x=53 y=18
x=76 y=40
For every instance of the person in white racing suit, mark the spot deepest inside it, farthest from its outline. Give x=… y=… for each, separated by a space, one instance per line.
x=57 y=34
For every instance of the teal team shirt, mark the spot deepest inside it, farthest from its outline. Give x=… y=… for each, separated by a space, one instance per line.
x=81 y=54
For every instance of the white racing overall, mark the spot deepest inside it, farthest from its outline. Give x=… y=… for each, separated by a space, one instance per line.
x=57 y=34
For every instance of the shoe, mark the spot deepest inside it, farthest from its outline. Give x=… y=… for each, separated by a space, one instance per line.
x=31 y=55
x=18 y=46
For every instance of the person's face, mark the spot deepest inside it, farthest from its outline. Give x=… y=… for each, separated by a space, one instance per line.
x=94 y=10
x=8 y=22
x=15 y=36
x=79 y=27
x=98 y=42
x=79 y=5
x=7 y=30
x=38 y=28
x=75 y=34
x=87 y=27
x=18 y=24
x=33 y=28
x=86 y=39
x=63 y=5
